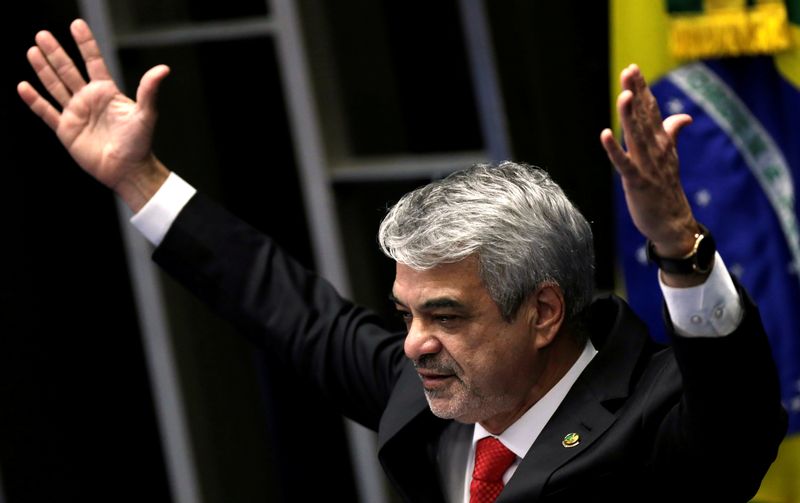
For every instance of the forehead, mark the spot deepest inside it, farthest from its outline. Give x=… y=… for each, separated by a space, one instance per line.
x=459 y=280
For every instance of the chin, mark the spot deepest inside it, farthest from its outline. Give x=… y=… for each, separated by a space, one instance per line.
x=453 y=409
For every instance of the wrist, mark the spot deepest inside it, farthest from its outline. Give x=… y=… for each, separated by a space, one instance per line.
x=679 y=243
x=680 y=267
x=137 y=187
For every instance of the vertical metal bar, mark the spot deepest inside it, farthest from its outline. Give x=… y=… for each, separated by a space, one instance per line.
x=309 y=146
x=318 y=198
x=159 y=352
x=485 y=79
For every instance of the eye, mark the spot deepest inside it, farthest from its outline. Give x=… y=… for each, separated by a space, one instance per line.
x=405 y=316
x=445 y=319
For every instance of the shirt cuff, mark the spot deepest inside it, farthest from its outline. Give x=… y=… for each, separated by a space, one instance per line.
x=157 y=215
x=712 y=309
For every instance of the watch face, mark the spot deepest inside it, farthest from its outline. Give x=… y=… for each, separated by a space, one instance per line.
x=704 y=256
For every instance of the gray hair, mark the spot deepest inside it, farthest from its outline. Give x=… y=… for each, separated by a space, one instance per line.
x=514 y=217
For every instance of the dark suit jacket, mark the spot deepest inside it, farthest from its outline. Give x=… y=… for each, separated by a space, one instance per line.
x=700 y=421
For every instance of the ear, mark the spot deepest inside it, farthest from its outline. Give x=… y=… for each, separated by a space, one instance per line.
x=547 y=311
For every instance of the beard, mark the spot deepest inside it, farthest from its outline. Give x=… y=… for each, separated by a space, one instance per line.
x=457 y=398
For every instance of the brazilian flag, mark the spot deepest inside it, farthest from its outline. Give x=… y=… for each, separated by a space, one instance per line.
x=734 y=66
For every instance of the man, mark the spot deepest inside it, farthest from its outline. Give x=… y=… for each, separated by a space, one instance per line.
x=510 y=383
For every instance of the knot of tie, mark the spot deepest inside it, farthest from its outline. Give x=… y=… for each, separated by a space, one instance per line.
x=492 y=459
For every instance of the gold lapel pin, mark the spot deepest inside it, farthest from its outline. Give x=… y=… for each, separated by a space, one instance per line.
x=571 y=440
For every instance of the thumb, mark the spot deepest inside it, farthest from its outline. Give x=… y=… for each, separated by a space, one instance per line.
x=674 y=123
x=147 y=92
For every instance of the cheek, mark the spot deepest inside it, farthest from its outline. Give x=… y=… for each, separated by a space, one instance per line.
x=505 y=360
x=483 y=366
x=489 y=355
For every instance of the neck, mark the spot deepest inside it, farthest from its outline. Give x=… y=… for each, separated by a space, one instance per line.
x=557 y=358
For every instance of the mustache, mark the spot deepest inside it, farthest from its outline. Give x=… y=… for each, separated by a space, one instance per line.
x=436 y=363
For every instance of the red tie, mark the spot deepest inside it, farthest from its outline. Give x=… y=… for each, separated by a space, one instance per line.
x=492 y=459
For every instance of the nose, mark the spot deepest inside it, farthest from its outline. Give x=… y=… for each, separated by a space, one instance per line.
x=420 y=341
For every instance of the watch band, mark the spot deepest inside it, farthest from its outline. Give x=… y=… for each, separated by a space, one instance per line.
x=698 y=261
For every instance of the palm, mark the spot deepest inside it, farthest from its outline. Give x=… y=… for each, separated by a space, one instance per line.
x=104 y=131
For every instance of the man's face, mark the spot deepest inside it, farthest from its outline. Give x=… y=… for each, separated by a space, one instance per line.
x=474 y=365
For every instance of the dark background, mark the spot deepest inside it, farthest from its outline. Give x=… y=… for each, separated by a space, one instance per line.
x=77 y=420
x=76 y=416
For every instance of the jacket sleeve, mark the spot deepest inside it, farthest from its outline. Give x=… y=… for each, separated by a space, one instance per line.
x=726 y=430
x=343 y=349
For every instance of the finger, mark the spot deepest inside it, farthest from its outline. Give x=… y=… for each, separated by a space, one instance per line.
x=674 y=123
x=47 y=76
x=644 y=106
x=630 y=119
x=90 y=51
x=633 y=80
x=651 y=114
x=638 y=83
x=39 y=105
x=618 y=157
x=626 y=77
x=147 y=92
x=60 y=61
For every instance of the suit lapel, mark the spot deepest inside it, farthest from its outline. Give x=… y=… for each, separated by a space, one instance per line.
x=587 y=409
x=581 y=414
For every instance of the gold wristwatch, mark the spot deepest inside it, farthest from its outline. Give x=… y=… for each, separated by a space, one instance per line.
x=698 y=261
